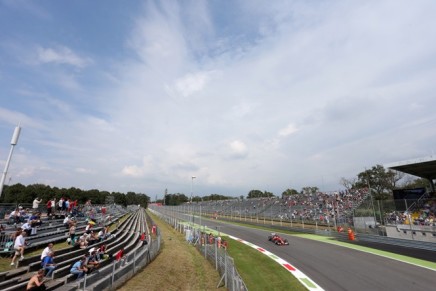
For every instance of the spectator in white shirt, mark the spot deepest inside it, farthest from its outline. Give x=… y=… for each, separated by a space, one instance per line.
x=46 y=251
x=36 y=203
x=20 y=242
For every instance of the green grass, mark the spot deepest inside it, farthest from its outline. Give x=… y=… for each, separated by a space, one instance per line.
x=258 y=271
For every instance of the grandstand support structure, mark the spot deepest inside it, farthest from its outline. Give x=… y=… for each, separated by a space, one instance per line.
x=421 y=167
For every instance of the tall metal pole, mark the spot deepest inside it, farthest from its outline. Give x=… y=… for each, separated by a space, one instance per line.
x=192 y=193
x=14 y=141
x=192 y=186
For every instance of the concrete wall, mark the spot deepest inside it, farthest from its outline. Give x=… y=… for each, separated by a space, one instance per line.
x=418 y=233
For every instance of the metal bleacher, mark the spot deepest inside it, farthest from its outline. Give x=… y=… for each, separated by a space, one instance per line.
x=126 y=235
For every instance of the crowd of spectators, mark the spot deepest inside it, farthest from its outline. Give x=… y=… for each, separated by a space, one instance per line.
x=26 y=221
x=424 y=216
x=319 y=206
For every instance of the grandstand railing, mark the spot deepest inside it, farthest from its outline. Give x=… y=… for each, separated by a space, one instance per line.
x=118 y=272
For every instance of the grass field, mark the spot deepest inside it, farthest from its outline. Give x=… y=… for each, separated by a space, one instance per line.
x=179 y=266
x=259 y=271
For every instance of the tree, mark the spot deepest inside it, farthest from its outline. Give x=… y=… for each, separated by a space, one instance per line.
x=258 y=194
x=289 y=192
x=255 y=194
x=412 y=183
x=19 y=193
x=176 y=199
x=349 y=184
x=379 y=180
x=309 y=190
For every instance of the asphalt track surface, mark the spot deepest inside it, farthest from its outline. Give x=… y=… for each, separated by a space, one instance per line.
x=336 y=268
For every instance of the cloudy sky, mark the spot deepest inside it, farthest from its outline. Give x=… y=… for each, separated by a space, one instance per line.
x=142 y=95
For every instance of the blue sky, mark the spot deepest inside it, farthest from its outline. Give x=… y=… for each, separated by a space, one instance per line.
x=142 y=95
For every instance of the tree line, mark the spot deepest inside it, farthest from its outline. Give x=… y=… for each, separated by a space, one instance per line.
x=19 y=194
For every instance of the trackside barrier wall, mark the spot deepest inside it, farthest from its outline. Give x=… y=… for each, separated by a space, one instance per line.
x=218 y=257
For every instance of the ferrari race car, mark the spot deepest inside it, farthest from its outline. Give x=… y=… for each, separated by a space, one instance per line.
x=278 y=240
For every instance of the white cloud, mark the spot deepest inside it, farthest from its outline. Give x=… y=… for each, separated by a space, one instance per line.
x=238 y=149
x=133 y=171
x=60 y=55
x=85 y=171
x=288 y=130
x=287 y=92
x=192 y=83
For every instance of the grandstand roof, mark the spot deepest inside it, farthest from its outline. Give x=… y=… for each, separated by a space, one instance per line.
x=422 y=167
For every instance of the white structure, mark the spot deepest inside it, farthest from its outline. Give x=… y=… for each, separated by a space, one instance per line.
x=14 y=141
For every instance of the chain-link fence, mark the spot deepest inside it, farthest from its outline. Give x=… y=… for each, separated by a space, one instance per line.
x=212 y=248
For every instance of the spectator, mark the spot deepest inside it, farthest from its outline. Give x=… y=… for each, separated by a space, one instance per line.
x=46 y=251
x=48 y=264
x=101 y=253
x=67 y=205
x=92 y=260
x=119 y=254
x=91 y=238
x=67 y=221
x=61 y=201
x=143 y=239
x=83 y=243
x=35 y=219
x=15 y=216
x=35 y=204
x=49 y=208
x=64 y=205
x=79 y=268
x=89 y=226
x=27 y=228
x=53 y=204
x=104 y=233
x=72 y=233
x=36 y=282
x=19 y=245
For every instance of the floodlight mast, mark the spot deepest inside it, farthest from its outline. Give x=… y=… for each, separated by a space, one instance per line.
x=14 y=142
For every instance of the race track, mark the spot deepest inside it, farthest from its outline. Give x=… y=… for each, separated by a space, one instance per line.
x=336 y=268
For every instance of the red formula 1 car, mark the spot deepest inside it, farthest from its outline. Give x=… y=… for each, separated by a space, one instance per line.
x=278 y=240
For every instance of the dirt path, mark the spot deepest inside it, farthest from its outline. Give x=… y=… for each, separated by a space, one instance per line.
x=179 y=266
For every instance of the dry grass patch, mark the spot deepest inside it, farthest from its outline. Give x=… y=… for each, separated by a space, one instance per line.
x=179 y=266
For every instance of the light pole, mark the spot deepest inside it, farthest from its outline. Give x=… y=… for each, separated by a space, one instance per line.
x=192 y=193
x=14 y=141
x=192 y=186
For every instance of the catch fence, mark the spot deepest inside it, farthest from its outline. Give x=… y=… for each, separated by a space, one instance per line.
x=211 y=249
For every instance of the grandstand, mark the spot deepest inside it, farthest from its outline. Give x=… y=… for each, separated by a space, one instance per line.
x=416 y=219
x=128 y=224
x=321 y=208
x=355 y=208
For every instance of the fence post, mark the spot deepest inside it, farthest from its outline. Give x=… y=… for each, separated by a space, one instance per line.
x=113 y=273
x=205 y=244
x=84 y=282
x=216 y=256
x=233 y=276
x=134 y=262
x=225 y=270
